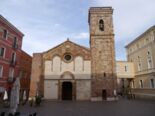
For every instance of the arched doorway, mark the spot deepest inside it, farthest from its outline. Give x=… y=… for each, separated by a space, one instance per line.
x=67 y=89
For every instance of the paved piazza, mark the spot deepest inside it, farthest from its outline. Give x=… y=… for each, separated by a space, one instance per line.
x=69 y=108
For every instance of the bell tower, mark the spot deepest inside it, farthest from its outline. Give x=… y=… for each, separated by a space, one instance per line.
x=102 y=53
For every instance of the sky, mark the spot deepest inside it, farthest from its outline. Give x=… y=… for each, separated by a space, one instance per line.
x=47 y=23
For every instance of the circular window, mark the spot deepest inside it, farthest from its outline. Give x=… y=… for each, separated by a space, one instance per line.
x=68 y=57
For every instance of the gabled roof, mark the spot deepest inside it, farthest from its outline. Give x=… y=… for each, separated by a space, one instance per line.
x=68 y=41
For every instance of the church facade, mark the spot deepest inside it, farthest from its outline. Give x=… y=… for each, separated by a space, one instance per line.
x=73 y=72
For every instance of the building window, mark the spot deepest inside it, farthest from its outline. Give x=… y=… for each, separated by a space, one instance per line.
x=2 y=50
x=101 y=25
x=133 y=84
x=5 y=33
x=13 y=59
x=104 y=74
x=15 y=42
x=137 y=45
x=146 y=40
x=11 y=72
x=149 y=60
x=152 y=83
x=141 y=84
x=139 y=64
x=1 y=71
x=131 y=60
x=126 y=68
x=68 y=57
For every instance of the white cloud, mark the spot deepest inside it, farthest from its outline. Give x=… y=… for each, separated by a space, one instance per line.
x=131 y=18
x=82 y=35
x=46 y=24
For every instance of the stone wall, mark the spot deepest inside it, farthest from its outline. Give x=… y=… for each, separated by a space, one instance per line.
x=102 y=52
x=83 y=90
x=36 y=75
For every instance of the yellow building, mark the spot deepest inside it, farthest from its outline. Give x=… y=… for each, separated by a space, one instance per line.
x=125 y=74
x=141 y=52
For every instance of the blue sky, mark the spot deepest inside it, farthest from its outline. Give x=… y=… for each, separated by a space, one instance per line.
x=47 y=23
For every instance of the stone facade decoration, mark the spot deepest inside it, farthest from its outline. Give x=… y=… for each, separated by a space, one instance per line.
x=71 y=71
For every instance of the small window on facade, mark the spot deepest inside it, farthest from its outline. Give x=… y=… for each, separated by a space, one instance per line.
x=101 y=25
x=133 y=84
x=104 y=74
x=13 y=58
x=126 y=68
x=131 y=60
x=1 y=52
x=148 y=53
x=141 y=84
x=152 y=83
x=1 y=71
x=130 y=50
x=5 y=33
x=139 y=64
x=21 y=74
x=149 y=60
x=146 y=40
x=15 y=42
x=11 y=72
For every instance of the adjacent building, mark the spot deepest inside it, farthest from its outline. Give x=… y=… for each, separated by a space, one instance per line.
x=73 y=72
x=125 y=74
x=141 y=52
x=24 y=75
x=12 y=59
x=10 y=50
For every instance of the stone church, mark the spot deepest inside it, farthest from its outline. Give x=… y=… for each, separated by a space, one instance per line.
x=73 y=72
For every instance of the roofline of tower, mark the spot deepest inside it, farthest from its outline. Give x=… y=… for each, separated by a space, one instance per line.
x=105 y=10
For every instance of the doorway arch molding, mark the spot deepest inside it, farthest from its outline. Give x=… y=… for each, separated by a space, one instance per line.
x=67 y=77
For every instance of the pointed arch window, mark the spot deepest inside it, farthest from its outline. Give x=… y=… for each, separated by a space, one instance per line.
x=101 y=25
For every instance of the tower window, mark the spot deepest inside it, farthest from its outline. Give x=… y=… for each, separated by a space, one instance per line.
x=126 y=68
x=101 y=25
x=104 y=74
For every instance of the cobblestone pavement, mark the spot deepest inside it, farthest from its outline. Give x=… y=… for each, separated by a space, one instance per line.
x=77 y=108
